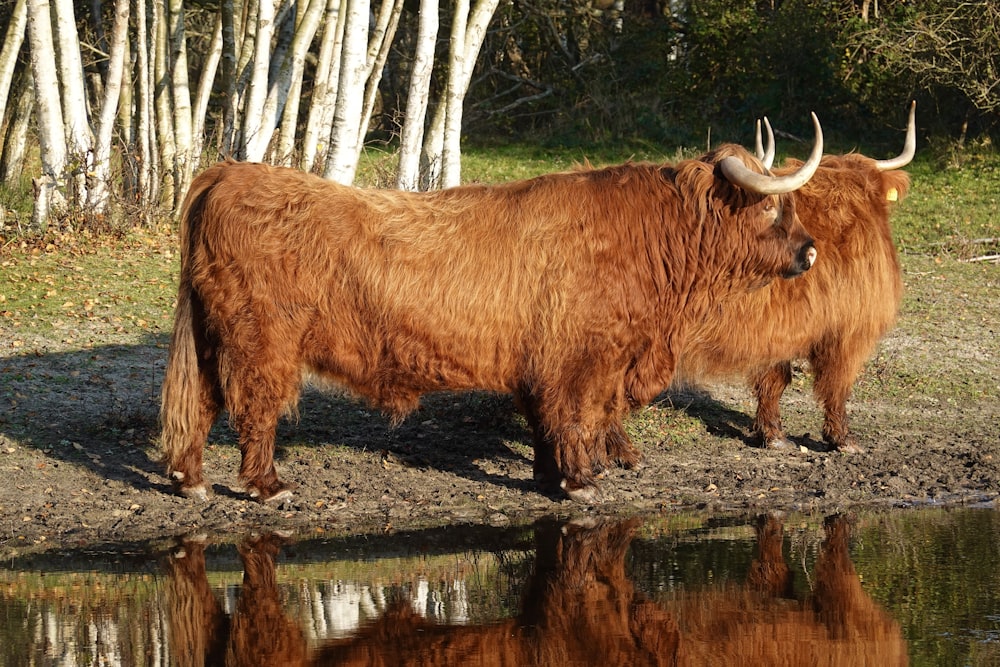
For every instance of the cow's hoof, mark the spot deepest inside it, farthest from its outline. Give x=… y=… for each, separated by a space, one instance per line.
x=588 y=494
x=850 y=447
x=198 y=492
x=780 y=443
x=638 y=462
x=275 y=495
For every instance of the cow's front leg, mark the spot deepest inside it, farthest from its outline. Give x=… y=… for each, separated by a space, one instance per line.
x=563 y=449
x=768 y=386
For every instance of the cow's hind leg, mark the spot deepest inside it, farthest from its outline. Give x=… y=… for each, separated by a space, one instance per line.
x=768 y=385
x=546 y=469
x=191 y=397
x=258 y=391
x=184 y=464
x=836 y=366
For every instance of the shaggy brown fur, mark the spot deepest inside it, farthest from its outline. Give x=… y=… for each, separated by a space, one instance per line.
x=555 y=289
x=833 y=316
x=579 y=608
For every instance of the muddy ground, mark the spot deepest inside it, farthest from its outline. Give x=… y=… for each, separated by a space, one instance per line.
x=79 y=464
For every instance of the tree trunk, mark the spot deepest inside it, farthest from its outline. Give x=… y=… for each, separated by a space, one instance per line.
x=48 y=113
x=204 y=92
x=80 y=143
x=230 y=62
x=98 y=191
x=289 y=78
x=408 y=177
x=345 y=136
x=11 y=47
x=144 y=147
x=16 y=137
x=442 y=153
x=164 y=119
x=256 y=135
x=465 y=50
x=378 y=53
x=181 y=96
x=324 y=96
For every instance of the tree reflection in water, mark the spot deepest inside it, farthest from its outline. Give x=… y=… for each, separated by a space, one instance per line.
x=579 y=607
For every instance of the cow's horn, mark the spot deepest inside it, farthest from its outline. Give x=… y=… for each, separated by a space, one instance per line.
x=909 y=146
x=765 y=156
x=738 y=173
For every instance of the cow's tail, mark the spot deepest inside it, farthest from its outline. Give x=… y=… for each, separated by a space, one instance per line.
x=183 y=412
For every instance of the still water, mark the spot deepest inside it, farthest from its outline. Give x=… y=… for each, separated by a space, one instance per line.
x=917 y=587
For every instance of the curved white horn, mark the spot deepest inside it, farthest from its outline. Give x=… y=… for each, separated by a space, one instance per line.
x=766 y=156
x=909 y=146
x=736 y=172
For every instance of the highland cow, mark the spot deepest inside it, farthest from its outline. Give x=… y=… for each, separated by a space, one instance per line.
x=571 y=291
x=833 y=316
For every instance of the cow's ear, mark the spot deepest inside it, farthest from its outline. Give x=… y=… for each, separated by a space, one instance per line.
x=895 y=185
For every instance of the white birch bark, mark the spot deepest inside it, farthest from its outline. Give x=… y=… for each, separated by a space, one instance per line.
x=98 y=192
x=48 y=113
x=180 y=93
x=345 y=135
x=289 y=79
x=204 y=92
x=11 y=47
x=408 y=177
x=442 y=147
x=256 y=135
x=378 y=53
x=16 y=137
x=79 y=141
x=463 y=60
x=164 y=118
x=324 y=97
x=144 y=142
x=230 y=73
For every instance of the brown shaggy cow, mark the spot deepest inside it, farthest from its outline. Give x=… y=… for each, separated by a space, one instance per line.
x=571 y=291
x=579 y=607
x=833 y=316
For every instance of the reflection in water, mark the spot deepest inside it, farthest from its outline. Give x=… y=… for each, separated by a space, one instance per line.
x=763 y=623
x=579 y=607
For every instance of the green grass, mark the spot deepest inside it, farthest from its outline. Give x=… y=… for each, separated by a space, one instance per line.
x=950 y=210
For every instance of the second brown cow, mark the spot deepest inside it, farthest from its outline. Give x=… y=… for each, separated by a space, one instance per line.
x=833 y=316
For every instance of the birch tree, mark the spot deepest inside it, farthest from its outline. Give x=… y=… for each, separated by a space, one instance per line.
x=442 y=153
x=72 y=94
x=408 y=177
x=98 y=193
x=324 y=96
x=289 y=79
x=145 y=152
x=16 y=137
x=48 y=113
x=204 y=91
x=180 y=96
x=11 y=47
x=255 y=136
x=346 y=133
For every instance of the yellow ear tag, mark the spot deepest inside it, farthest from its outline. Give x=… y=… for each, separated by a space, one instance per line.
x=892 y=194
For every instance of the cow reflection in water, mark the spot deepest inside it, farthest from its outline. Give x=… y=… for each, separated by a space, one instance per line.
x=580 y=607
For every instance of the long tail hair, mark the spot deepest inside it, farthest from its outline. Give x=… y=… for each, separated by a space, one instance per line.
x=181 y=394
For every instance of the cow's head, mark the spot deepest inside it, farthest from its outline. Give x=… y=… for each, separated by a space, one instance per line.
x=783 y=246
